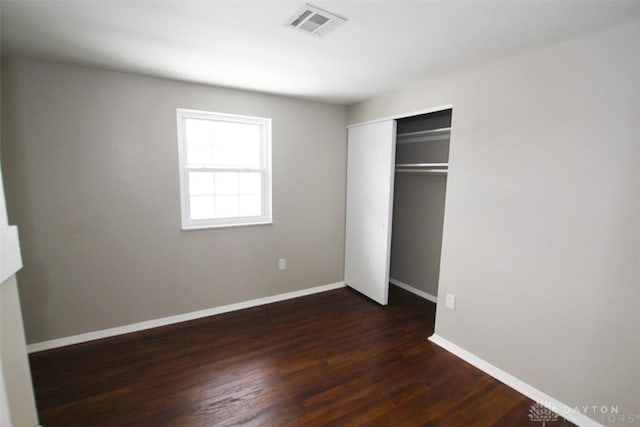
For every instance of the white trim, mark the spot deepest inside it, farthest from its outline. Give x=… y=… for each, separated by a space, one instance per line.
x=141 y=326
x=413 y=290
x=403 y=115
x=5 y=413
x=531 y=392
x=10 y=258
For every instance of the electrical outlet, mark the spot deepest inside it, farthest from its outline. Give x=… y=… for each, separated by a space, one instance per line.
x=282 y=264
x=450 y=303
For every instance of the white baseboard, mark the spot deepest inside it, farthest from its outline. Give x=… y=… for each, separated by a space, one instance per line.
x=141 y=326
x=532 y=393
x=413 y=290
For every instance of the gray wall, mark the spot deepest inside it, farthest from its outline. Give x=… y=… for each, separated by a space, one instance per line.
x=541 y=230
x=91 y=172
x=416 y=239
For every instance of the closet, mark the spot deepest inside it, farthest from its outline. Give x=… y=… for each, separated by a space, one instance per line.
x=421 y=167
x=418 y=164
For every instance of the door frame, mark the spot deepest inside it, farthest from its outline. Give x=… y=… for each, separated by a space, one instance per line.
x=397 y=117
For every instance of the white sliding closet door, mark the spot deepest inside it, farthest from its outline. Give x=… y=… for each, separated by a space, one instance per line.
x=370 y=174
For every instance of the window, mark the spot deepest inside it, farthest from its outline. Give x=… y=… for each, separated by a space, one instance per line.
x=225 y=169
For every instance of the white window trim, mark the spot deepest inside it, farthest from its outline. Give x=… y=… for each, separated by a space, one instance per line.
x=191 y=224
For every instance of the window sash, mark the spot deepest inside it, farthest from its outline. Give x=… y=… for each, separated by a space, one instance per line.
x=263 y=189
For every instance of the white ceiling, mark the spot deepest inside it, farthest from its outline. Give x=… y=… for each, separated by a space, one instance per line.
x=245 y=44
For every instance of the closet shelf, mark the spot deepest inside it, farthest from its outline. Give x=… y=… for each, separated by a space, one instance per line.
x=422 y=165
x=441 y=134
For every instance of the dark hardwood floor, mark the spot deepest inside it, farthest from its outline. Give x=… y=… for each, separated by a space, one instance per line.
x=328 y=359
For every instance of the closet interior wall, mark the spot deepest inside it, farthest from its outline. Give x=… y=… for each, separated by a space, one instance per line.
x=422 y=154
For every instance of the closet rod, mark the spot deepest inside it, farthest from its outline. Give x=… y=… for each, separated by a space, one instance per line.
x=422 y=139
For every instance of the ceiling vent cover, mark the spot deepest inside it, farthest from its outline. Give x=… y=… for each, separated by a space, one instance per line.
x=315 y=21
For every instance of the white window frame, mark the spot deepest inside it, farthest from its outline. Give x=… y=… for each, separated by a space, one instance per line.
x=194 y=224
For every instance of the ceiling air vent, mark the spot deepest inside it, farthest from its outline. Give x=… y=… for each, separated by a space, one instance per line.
x=315 y=21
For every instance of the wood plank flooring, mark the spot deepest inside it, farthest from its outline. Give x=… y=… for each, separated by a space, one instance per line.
x=333 y=358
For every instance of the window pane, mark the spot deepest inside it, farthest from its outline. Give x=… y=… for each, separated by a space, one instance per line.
x=226 y=183
x=250 y=205
x=226 y=206
x=202 y=207
x=223 y=144
x=250 y=183
x=199 y=155
x=198 y=131
x=236 y=144
x=200 y=183
x=199 y=142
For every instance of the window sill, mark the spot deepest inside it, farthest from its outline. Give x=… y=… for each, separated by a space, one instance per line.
x=204 y=227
